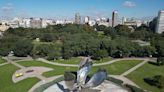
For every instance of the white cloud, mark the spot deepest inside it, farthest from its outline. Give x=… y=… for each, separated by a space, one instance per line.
x=8 y=7
x=129 y=4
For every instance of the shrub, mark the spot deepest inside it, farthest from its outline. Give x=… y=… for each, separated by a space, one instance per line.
x=157 y=81
x=160 y=61
x=133 y=88
x=117 y=81
x=68 y=76
x=23 y=48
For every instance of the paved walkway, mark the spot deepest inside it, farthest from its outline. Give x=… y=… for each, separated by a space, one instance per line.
x=47 y=80
x=58 y=64
x=121 y=77
x=14 y=63
x=14 y=58
x=124 y=79
x=39 y=76
x=100 y=64
x=4 y=64
x=135 y=67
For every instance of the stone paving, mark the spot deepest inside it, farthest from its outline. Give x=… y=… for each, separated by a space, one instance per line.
x=30 y=72
x=47 y=80
x=106 y=86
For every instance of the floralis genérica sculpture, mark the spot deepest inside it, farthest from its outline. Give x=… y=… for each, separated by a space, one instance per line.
x=80 y=81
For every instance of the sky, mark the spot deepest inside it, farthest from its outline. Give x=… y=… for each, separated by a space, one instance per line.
x=67 y=8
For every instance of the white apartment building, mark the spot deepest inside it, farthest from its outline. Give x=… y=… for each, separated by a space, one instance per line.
x=160 y=22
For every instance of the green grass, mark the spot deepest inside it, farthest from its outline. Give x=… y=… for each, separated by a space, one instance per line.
x=102 y=60
x=6 y=84
x=38 y=43
x=73 y=60
x=115 y=68
x=2 y=60
x=58 y=70
x=100 y=33
x=76 y=60
x=119 y=67
x=148 y=70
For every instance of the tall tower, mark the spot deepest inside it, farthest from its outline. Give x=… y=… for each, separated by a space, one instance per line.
x=160 y=22
x=77 y=18
x=86 y=20
x=114 y=18
x=123 y=20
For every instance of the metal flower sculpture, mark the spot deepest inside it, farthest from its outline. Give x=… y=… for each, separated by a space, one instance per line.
x=80 y=81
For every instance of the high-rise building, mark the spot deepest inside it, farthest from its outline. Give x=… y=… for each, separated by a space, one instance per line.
x=123 y=20
x=86 y=20
x=36 y=22
x=77 y=18
x=115 y=18
x=160 y=22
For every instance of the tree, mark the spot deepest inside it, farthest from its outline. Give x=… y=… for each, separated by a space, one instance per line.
x=157 y=80
x=152 y=24
x=22 y=48
x=123 y=30
x=143 y=32
x=110 y=31
x=4 y=51
x=47 y=37
x=66 y=51
x=41 y=50
x=149 y=51
x=7 y=44
x=99 y=54
x=160 y=60
x=159 y=45
x=143 y=27
x=101 y=28
x=120 y=47
x=55 y=53
x=88 y=28
x=142 y=35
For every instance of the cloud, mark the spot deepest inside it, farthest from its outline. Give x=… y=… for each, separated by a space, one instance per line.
x=129 y=4
x=7 y=8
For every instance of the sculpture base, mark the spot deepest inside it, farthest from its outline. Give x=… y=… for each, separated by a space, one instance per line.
x=106 y=86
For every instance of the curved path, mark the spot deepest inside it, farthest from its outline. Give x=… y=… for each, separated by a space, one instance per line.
x=122 y=76
x=100 y=64
x=4 y=63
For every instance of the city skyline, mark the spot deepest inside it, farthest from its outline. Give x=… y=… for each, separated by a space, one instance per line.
x=67 y=8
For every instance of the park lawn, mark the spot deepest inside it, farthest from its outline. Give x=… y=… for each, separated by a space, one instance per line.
x=100 y=33
x=107 y=59
x=73 y=60
x=58 y=70
x=40 y=43
x=118 y=67
x=76 y=60
x=2 y=60
x=147 y=70
x=7 y=85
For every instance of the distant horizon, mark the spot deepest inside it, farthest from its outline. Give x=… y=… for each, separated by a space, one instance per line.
x=66 y=9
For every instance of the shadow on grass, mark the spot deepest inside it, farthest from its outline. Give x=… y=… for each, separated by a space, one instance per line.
x=150 y=81
x=153 y=63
